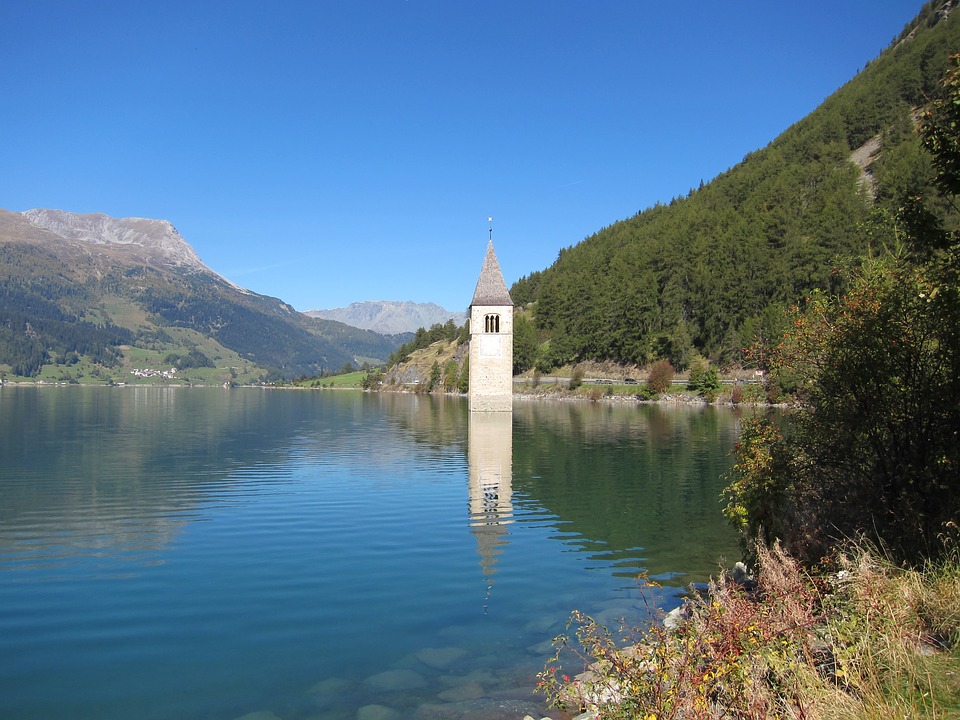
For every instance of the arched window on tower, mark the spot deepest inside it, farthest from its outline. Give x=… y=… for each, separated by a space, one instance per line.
x=491 y=323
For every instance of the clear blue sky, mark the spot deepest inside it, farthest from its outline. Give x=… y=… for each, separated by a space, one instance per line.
x=331 y=152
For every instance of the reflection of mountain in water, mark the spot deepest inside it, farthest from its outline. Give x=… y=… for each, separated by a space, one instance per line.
x=490 y=485
x=85 y=469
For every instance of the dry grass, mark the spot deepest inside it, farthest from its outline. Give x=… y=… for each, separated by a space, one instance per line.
x=864 y=641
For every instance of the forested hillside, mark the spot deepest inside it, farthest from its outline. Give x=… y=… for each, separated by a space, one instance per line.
x=709 y=272
x=98 y=310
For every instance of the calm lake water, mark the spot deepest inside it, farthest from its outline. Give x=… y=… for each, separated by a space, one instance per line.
x=210 y=553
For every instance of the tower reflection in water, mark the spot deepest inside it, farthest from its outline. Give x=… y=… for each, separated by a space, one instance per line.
x=490 y=458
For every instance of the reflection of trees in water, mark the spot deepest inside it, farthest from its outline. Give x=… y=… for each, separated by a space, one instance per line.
x=437 y=421
x=613 y=422
x=637 y=486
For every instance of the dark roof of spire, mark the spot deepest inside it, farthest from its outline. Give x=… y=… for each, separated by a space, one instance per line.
x=491 y=289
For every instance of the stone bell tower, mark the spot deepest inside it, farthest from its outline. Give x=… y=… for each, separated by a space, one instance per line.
x=491 y=340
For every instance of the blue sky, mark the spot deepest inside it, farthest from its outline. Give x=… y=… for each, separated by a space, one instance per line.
x=333 y=152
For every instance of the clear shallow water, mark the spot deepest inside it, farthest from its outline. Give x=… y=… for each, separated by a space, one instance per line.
x=205 y=553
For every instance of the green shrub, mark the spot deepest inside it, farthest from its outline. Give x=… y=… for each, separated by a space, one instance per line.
x=873 y=451
x=704 y=379
x=644 y=392
x=576 y=377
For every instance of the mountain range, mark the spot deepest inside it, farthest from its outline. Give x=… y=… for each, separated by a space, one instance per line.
x=391 y=317
x=109 y=296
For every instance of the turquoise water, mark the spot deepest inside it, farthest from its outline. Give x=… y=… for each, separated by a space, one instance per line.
x=210 y=553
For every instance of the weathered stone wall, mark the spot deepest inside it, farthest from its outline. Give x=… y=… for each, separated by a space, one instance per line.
x=491 y=360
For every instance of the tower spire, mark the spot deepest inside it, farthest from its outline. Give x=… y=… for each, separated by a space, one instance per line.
x=491 y=288
x=490 y=220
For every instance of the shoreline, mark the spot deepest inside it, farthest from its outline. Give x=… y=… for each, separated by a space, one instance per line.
x=555 y=395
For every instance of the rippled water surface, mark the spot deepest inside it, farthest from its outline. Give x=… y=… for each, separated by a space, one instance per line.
x=210 y=553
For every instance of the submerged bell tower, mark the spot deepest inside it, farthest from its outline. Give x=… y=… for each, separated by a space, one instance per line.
x=491 y=340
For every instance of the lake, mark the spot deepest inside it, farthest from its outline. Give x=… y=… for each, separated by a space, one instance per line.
x=210 y=553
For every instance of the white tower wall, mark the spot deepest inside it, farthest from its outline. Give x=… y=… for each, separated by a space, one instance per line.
x=491 y=359
x=491 y=340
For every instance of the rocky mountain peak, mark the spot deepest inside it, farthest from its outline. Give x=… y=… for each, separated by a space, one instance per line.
x=153 y=241
x=390 y=317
